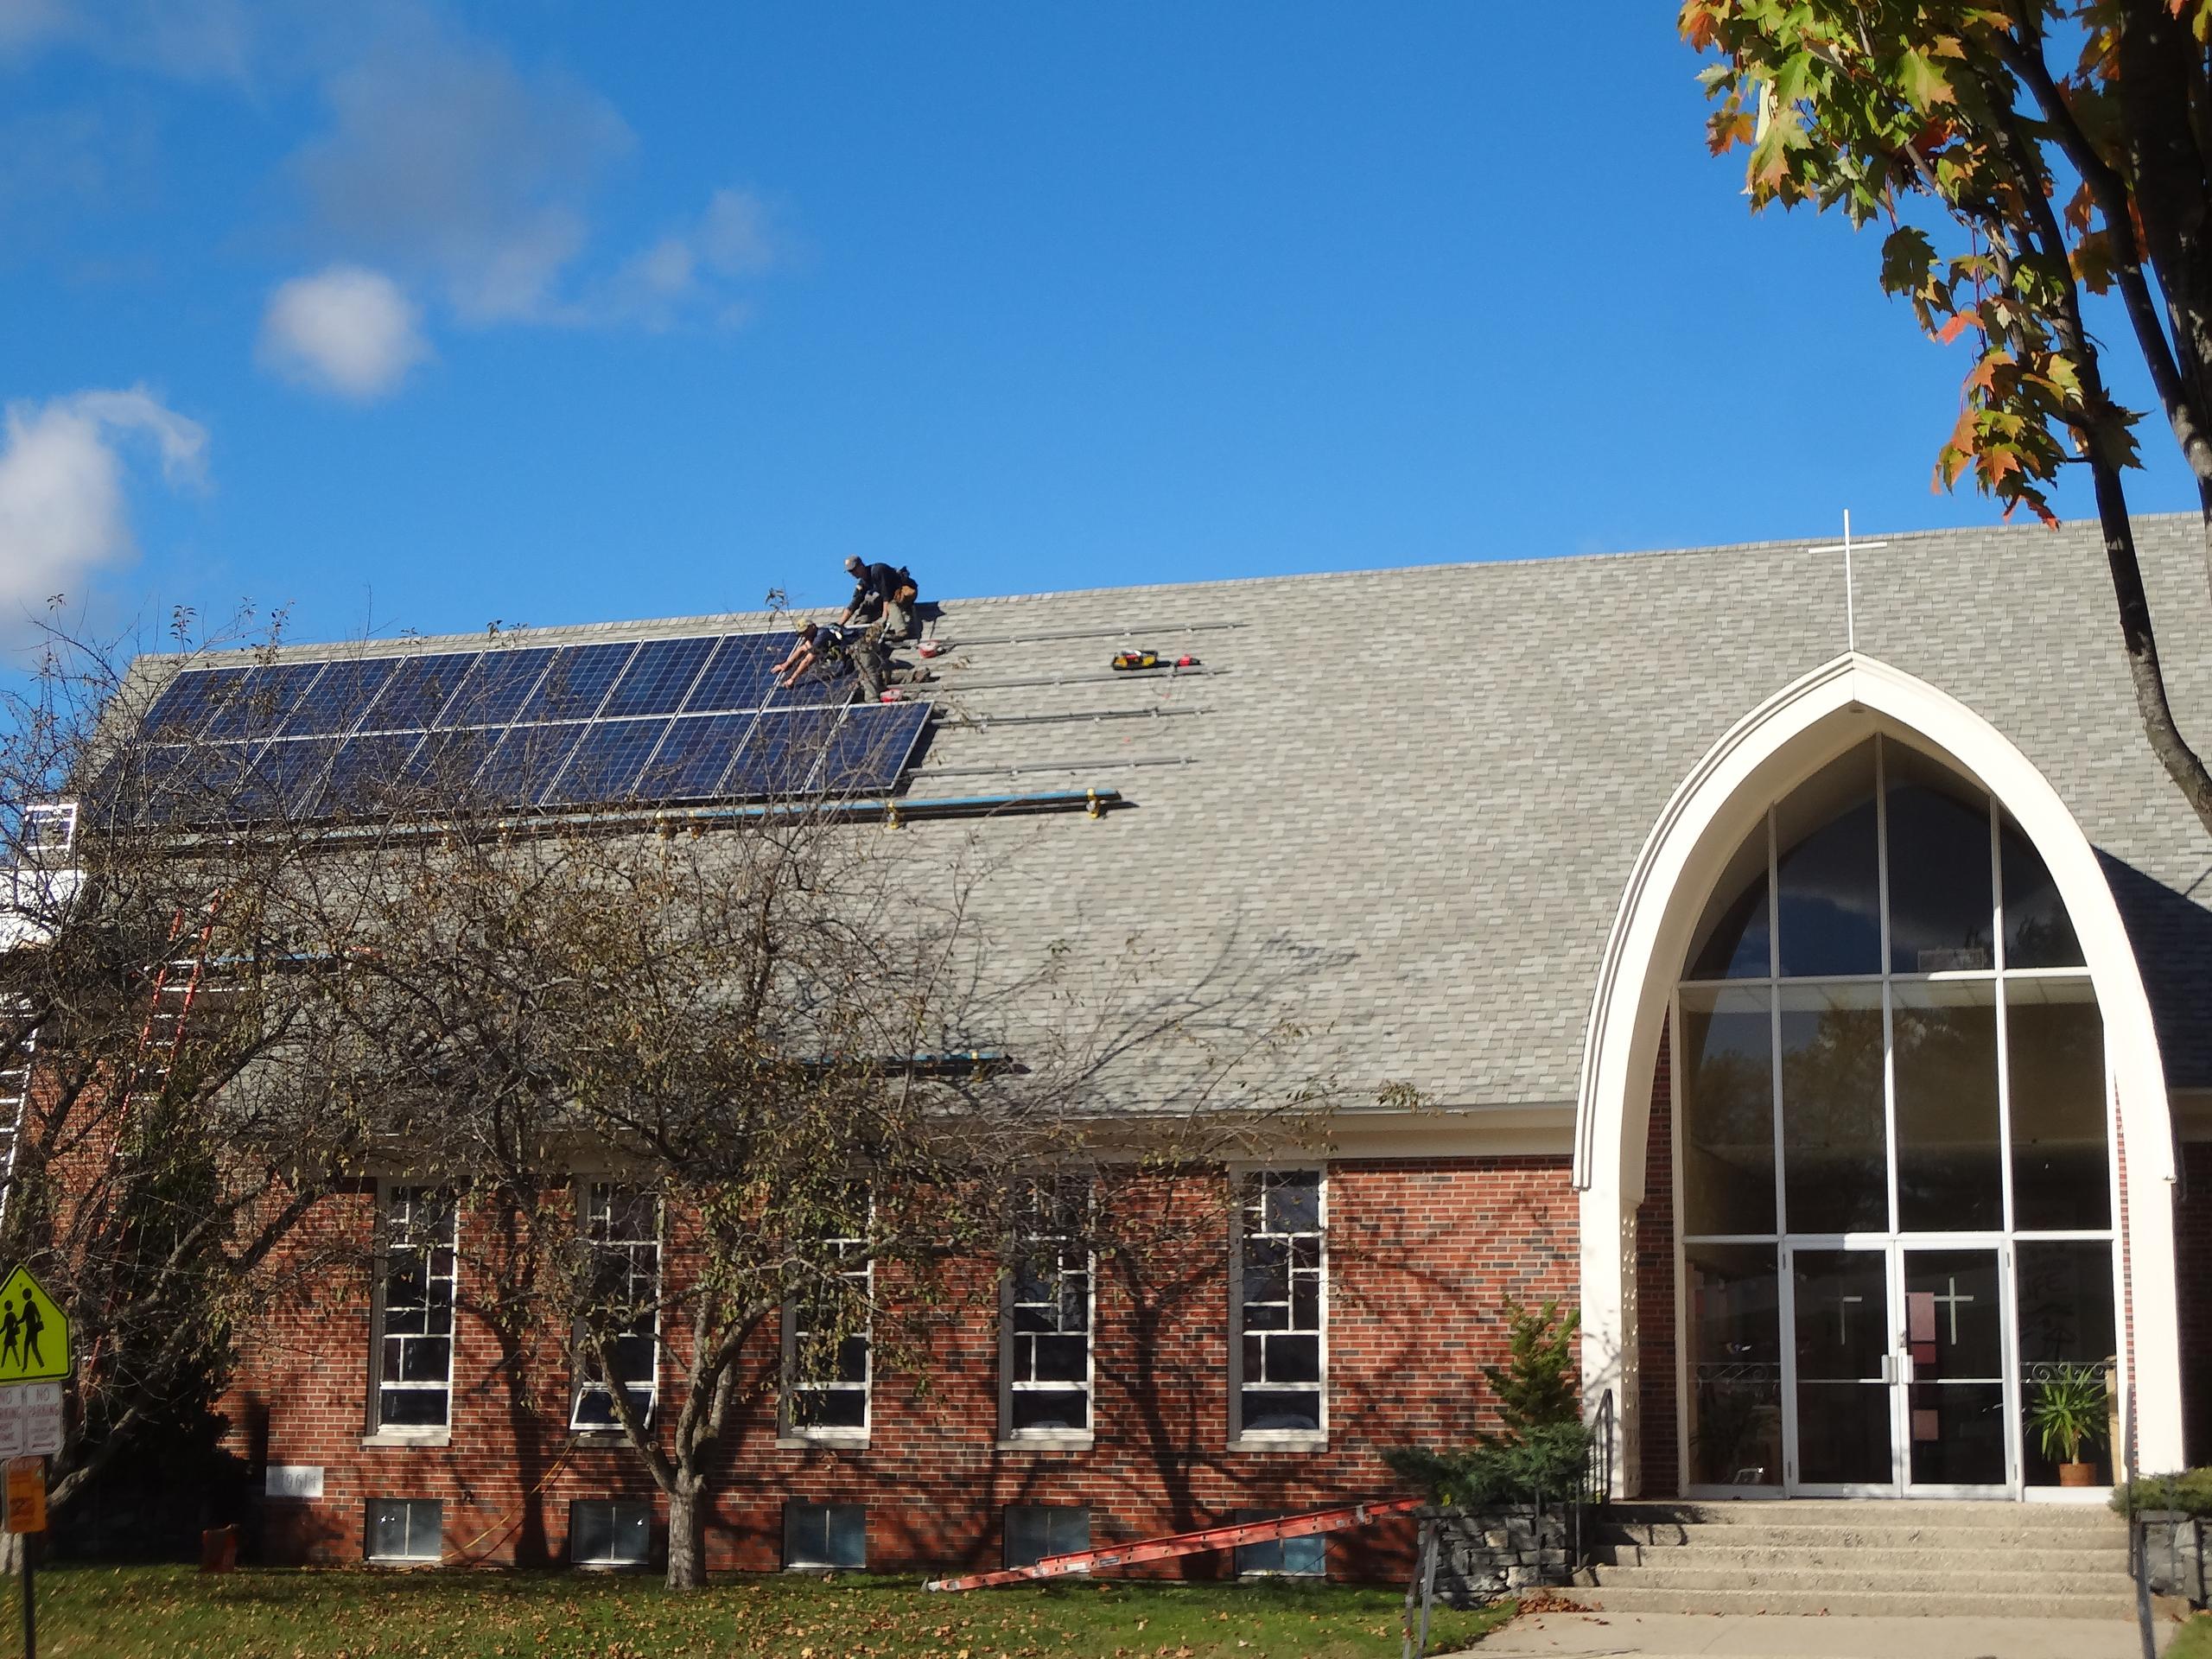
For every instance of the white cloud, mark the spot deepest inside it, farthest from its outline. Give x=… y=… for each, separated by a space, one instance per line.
x=188 y=40
x=345 y=330
x=63 y=511
x=691 y=270
x=444 y=157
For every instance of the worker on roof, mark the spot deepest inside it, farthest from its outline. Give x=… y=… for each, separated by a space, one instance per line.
x=827 y=652
x=882 y=592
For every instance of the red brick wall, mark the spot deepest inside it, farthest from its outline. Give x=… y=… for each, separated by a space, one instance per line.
x=1655 y=1293
x=1423 y=1252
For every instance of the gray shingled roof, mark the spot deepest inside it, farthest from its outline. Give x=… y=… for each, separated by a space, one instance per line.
x=1401 y=806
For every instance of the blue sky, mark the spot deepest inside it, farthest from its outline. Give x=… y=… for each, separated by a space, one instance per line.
x=555 y=313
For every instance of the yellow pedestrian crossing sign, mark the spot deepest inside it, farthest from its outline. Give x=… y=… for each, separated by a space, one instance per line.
x=34 y=1332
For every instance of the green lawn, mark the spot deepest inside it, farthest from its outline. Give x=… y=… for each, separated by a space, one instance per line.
x=139 y=1612
x=2193 y=1640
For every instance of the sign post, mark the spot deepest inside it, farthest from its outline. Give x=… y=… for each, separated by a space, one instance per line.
x=34 y=1360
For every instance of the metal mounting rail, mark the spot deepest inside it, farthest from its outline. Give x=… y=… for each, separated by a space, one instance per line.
x=960 y=642
x=1190 y=1543
x=1108 y=677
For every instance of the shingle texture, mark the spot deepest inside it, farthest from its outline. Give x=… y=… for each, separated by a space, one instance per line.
x=1399 y=808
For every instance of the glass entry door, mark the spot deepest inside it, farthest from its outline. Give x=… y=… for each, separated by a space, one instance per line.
x=1896 y=1384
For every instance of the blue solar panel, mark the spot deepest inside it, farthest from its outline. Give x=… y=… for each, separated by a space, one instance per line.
x=444 y=764
x=261 y=702
x=576 y=682
x=195 y=783
x=870 y=748
x=510 y=727
x=780 y=756
x=495 y=687
x=606 y=763
x=658 y=677
x=338 y=700
x=417 y=690
x=368 y=773
x=189 y=700
x=691 y=764
x=524 y=760
x=285 y=779
x=740 y=674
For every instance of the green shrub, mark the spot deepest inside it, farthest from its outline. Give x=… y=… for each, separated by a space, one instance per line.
x=1544 y=1447
x=2189 y=1492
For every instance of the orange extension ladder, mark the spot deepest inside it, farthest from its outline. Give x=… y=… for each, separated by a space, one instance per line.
x=1190 y=1543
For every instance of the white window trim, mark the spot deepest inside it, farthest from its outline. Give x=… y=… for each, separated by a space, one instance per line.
x=791 y=1432
x=1273 y=1440
x=380 y=1432
x=578 y=1385
x=1011 y=1438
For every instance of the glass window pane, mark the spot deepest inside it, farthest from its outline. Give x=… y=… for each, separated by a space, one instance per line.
x=591 y=1531
x=2038 y=933
x=848 y=1535
x=1943 y=903
x=388 y=1528
x=1036 y=1530
x=1726 y=1135
x=1732 y=938
x=2065 y=1294
x=1830 y=908
x=1051 y=1408
x=1835 y=1163
x=1735 y=1364
x=2056 y=1066
x=1950 y=1176
x=1280 y=1408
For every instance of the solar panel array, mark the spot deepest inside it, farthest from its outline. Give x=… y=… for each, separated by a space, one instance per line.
x=510 y=728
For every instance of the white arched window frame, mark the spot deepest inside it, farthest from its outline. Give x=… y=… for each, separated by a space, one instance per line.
x=1760 y=760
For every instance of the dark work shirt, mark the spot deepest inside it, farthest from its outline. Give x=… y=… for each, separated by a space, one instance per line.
x=876 y=581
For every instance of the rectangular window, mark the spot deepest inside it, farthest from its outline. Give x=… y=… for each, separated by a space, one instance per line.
x=414 y=1309
x=1291 y=1558
x=406 y=1529
x=621 y=1228
x=826 y=1347
x=603 y=1532
x=825 y=1534
x=1280 y=1290
x=1045 y=1340
x=1036 y=1530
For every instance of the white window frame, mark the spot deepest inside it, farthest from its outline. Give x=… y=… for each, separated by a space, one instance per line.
x=388 y=1194
x=1276 y=1439
x=1009 y=1385
x=411 y=1557
x=790 y=1431
x=596 y=1203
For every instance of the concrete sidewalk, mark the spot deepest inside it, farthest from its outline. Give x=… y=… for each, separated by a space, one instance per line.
x=1773 y=1636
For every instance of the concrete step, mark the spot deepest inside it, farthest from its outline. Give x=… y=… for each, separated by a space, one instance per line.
x=1938 y=1575
x=1717 y=1554
x=1827 y=1511
x=1675 y=1635
x=1874 y=1604
x=1868 y=1532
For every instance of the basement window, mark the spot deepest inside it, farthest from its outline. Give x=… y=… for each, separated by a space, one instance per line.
x=1036 y=1530
x=825 y=1535
x=406 y=1529
x=606 y=1532
x=1280 y=1558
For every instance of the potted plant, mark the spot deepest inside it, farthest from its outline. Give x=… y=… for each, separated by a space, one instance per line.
x=2071 y=1406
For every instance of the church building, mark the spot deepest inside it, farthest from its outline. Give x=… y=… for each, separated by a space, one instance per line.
x=1807 y=981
